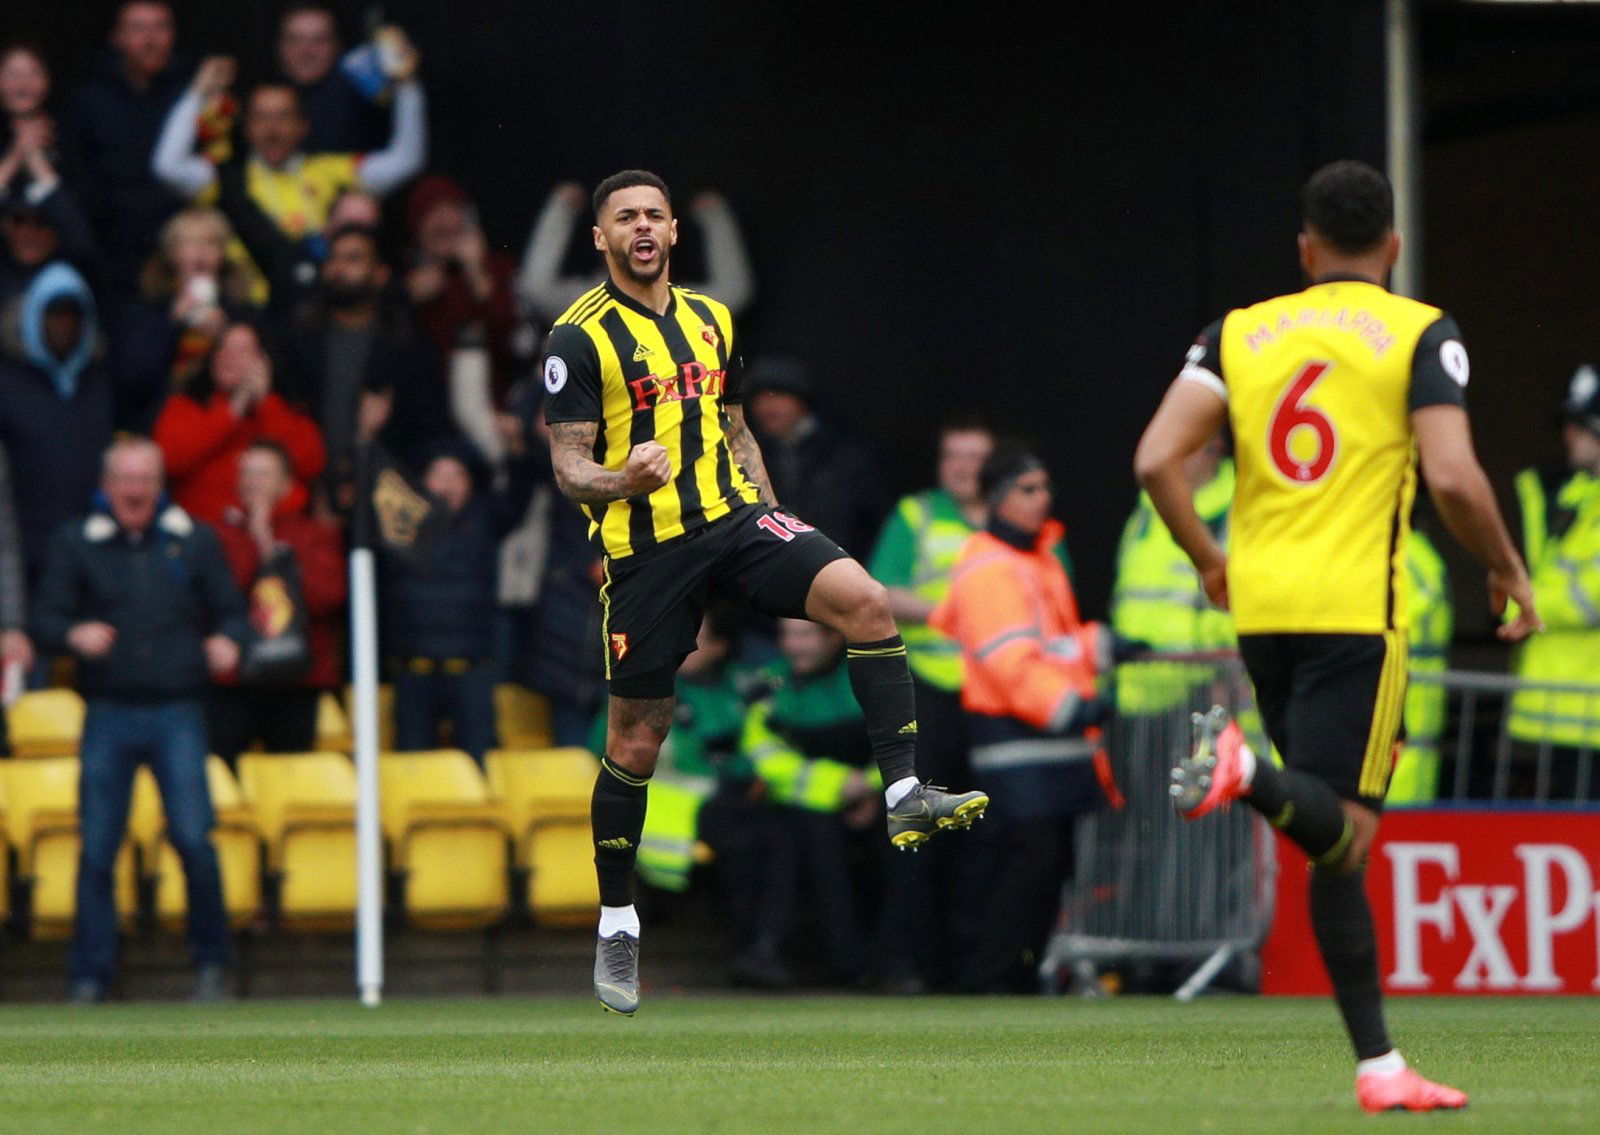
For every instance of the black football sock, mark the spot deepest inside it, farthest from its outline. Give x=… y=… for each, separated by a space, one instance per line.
x=882 y=684
x=1342 y=921
x=617 y=813
x=1302 y=807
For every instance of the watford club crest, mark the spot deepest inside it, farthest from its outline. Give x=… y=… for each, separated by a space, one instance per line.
x=709 y=334
x=619 y=646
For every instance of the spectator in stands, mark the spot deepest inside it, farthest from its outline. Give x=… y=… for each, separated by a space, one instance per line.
x=189 y=292
x=559 y=644
x=117 y=114
x=260 y=531
x=32 y=236
x=915 y=554
x=339 y=118
x=819 y=470
x=33 y=164
x=291 y=186
x=354 y=208
x=229 y=403
x=55 y=405
x=440 y=623
x=145 y=652
x=1559 y=514
x=1033 y=712
x=545 y=292
x=16 y=649
x=361 y=366
x=808 y=744
x=460 y=288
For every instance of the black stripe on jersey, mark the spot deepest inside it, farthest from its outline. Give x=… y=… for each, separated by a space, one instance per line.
x=704 y=312
x=691 y=433
x=641 y=519
x=1394 y=548
x=588 y=304
x=724 y=451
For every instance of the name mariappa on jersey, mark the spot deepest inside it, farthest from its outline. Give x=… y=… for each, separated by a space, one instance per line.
x=1361 y=324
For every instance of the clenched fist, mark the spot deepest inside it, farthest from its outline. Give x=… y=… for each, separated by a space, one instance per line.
x=648 y=468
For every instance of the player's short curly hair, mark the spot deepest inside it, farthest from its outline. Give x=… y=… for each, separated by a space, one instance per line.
x=627 y=179
x=1350 y=205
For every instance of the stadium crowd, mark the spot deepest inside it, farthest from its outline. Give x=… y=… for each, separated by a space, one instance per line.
x=213 y=267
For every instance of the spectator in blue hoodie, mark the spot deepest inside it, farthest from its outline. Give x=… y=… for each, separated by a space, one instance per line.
x=117 y=114
x=55 y=406
x=440 y=623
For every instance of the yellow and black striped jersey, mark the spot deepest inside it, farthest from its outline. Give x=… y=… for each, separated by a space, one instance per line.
x=647 y=377
x=1320 y=386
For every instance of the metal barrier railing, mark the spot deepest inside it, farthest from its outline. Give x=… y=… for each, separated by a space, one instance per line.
x=1537 y=744
x=1151 y=886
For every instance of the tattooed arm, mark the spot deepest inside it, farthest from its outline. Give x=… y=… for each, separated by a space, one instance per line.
x=584 y=481
x=748 y=454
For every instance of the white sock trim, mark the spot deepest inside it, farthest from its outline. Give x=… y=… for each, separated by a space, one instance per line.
x=1247 y=765
x=897 y=791
x=1386 y=1065
x=615 y=918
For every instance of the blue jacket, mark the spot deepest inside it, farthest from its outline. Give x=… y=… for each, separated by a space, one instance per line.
x=165 y=594
x=55 y=414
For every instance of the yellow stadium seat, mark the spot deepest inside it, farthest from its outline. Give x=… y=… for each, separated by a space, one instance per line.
x=306 y=806
x=42 y=824
x=46 y=723
x=333 y=726
x=522 y=717
x=236 y=838
x=447 y=839
x=546 y=794
x=385 y=715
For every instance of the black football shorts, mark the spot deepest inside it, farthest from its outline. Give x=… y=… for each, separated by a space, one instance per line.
x=653 y=600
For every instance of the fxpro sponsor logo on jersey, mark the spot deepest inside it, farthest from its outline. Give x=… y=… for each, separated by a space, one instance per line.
x=693 y=380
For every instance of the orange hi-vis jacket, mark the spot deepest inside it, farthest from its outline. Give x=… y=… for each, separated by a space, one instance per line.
x=1027 y=654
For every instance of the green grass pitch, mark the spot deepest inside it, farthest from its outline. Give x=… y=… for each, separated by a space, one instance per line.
x=809 y=1064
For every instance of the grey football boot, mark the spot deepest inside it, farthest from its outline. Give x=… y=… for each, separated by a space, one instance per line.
x=928 y=809
x=616 y=973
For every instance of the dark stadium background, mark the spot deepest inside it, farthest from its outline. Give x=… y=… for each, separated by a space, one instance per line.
x=958 y=206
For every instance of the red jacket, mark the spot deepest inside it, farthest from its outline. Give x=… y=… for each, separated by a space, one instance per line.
x=202 y=444
x=1026 y=653
x=319 y=549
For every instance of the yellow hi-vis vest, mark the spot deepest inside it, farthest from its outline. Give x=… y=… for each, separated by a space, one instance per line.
x=917 y=551
x=1416 y=775
x=1157 y=598
x=1561 y=539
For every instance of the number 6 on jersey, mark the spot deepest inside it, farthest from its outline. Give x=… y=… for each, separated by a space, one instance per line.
x=1290 y=415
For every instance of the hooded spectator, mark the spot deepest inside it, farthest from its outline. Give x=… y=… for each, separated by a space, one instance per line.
x=55 y=405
